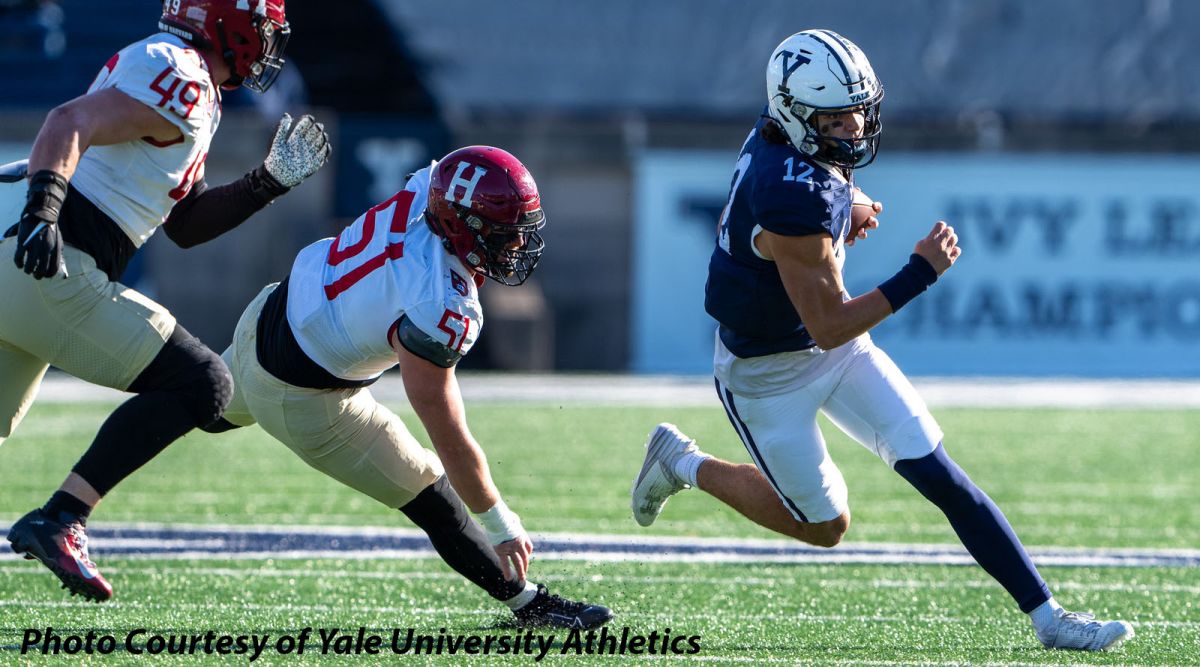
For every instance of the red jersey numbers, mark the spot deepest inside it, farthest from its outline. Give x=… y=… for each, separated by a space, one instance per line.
x=189 y=178
x=449 y=323
x=402 y=200
x=178 y=96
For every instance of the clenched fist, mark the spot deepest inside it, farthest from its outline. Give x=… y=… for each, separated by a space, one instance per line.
x=940 y=247
x=39 y=248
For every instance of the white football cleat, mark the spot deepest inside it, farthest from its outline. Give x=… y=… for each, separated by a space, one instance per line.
x=1074 y=630
x=657 y=481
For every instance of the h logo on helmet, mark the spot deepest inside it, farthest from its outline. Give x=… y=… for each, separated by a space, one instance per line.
x=468 y=185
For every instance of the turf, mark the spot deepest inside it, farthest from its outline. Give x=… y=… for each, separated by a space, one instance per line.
x=1066 y=478
x=762 y=614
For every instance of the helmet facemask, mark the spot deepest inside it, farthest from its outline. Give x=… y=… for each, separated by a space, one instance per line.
x=506 y=253
x=510 y=252
x=273 y=37
x=845 y=153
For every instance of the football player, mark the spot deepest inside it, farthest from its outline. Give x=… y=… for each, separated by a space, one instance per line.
x=106 y=170
x=791 y=341
x=400 y=286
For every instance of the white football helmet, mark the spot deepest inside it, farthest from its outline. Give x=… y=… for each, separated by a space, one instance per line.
x=821 y=71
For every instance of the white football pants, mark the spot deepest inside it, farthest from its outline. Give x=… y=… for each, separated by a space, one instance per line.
x=772 y=403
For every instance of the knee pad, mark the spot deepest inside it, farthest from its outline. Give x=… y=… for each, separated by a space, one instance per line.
x=191 y=372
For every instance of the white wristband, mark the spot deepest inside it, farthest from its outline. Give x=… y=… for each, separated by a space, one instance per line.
x=500 y=523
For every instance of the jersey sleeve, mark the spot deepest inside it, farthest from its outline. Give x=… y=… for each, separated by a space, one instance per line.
x=442 y=331
x=423 y=345
x=170 y=79
x=795 y=209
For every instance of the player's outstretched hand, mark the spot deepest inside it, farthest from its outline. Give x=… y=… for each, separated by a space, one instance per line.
x=940 y=247
x=514 y=557
x=298 y=150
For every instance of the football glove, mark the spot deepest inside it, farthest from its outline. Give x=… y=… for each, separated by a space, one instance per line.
x=298 y=150
x=39 y=245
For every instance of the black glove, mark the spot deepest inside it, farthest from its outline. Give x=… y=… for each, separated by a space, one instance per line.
x=39 y=245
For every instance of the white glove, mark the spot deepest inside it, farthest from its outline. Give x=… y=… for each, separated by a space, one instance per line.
x=299 y=153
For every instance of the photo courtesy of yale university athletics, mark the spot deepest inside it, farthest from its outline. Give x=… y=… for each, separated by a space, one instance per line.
x=395 y=299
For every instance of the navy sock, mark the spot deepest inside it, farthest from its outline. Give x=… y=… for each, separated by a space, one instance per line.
x=980 y=525
x=64 y=503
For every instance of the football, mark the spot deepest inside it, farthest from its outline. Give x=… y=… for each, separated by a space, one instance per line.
x=862 y=207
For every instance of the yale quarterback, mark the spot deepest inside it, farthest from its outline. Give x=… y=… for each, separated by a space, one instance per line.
x=791 y=342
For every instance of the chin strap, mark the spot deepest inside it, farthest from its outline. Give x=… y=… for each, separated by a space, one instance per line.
x=228 y=56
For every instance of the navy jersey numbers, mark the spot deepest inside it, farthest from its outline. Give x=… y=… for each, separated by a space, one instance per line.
x=778 y=189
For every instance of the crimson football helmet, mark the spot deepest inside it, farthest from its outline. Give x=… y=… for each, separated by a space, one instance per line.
x=250 y=35
x=485 y=206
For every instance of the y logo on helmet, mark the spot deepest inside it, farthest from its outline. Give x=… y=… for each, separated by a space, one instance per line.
x=789 y=66
x=468 y=185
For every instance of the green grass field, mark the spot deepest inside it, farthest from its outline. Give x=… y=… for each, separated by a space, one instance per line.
x=1065 y=478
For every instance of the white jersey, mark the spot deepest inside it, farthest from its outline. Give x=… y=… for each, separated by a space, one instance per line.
x=136 y=183
x=346 y=295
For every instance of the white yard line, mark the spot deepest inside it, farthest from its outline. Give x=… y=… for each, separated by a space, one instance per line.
x=674 y=391
x=178 y=541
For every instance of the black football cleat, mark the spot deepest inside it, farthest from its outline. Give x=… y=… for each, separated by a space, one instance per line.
x=546 y=610
x=62 y=547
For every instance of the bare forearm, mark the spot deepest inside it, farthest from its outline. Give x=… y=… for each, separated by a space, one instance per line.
x=444 y=419
x=850 y=319
x=60 y=143
x=469 y=474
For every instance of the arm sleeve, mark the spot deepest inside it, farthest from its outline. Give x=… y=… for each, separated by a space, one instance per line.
x=206 y=213
x=452 y=323
x=423 y=345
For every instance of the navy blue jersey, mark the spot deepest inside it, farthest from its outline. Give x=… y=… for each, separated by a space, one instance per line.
x=777 y=188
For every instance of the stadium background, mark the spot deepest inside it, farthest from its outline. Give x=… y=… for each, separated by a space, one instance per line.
x=1059 y=137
